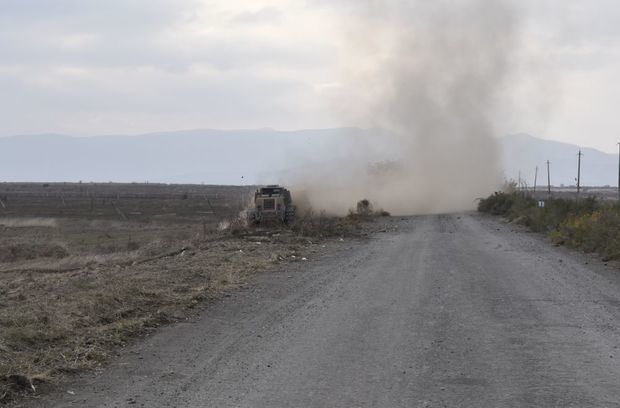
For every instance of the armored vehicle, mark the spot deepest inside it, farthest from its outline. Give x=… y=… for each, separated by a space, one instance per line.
x=272 y=203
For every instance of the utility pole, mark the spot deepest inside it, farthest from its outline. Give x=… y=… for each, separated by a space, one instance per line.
x=548 y=180
x=618 y=172
x=519 y=183
x=535 y=179
x=579 y=172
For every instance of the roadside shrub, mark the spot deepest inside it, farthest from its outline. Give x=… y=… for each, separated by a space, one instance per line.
x=364 y=207
x=497 y=204
x=584 y=224
x=598 y=231
x=365 y=210
x=501 y=203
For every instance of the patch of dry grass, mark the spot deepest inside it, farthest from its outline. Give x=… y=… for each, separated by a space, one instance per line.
x=29 y=222
x=323 y=226
x=18 y=251
x=65 y=315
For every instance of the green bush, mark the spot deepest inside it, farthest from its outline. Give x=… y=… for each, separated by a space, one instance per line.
x=499 y=203
x=596 y=231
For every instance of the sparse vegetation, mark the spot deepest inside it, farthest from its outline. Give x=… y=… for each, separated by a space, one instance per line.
x=17 y=251
x=321 y=225
x=364 y=207
x=75 y=289
x=57 y=320
x=586 y=224
x=365 y=210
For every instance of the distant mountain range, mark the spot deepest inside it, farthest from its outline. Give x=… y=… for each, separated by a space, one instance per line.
x=523 y=153
x=195 y=156
x=255 y=156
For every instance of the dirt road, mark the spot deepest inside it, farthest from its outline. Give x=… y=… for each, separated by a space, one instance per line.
x=453 y=310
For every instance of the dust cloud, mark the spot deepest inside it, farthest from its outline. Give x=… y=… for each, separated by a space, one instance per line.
x=432 y=75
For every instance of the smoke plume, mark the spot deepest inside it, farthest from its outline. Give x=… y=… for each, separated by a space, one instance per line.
x=432 y=75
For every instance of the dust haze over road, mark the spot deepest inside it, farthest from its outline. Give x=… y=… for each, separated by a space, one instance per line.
x=434 y=74
x=442 y=311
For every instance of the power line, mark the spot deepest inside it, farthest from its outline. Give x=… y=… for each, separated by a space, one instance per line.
x=579 y=172
x=548 y=179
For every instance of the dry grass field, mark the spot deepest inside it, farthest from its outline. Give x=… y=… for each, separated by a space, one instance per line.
x=85 y=268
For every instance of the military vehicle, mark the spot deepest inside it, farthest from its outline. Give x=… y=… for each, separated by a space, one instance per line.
x=272 y=203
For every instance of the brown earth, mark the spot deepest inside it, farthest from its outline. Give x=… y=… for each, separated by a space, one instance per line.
x=74 y=289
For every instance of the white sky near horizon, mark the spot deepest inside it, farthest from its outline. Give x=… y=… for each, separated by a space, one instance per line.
x=85 y=67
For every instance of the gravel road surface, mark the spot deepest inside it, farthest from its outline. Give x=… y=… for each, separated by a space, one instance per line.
x=448 y=311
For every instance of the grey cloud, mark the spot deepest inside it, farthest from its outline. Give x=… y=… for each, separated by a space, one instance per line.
x=135 y=66
x=112 y=15
x=33 y=30
x=131 y=34
x=575 y=22
x=264 y=15
x=147 y=52
x=156 y=92
x=238 y=99
x=129 y=66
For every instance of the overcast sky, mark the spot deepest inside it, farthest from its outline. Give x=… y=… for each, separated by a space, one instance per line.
x=91 y=67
